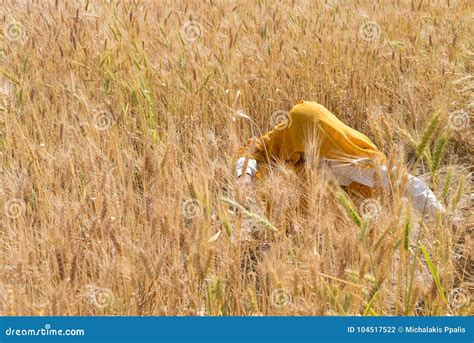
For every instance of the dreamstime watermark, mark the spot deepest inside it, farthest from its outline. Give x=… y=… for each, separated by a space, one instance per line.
x=191 y=31
x=370 y=208
x=458 y=120
x=281 y=297
x=369 y=31
x=100 y=297
x=46 y=331
x=192 y=208
x=14 y=208
x=458 y=297
x=280 y=120
x=103 y=120
x=14 y=31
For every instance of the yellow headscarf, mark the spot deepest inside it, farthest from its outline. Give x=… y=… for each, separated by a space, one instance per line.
x=290 y=140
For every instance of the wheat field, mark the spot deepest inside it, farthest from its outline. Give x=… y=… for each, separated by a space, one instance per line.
x=118 y=124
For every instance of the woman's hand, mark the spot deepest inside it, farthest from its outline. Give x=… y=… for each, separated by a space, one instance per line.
x=244 y=180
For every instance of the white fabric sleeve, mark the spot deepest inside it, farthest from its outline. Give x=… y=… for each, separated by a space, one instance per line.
x=420 y=194
x=347 y=172
x=251 y=166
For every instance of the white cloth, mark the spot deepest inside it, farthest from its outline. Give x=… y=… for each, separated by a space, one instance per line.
x=422 y=197
x=251 y=166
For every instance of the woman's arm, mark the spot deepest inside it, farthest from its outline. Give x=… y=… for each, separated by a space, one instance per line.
x=257 y=151
x=245 y=165
x=245 y=170
x=421 y=195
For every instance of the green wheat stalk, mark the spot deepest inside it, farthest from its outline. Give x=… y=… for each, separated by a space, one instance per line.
x=247 y=214
x=351 y=211
x=427 y=135
x=438 y=152
x=434 y=272
x=406 y=235
x=459 y=193
x=447 y=183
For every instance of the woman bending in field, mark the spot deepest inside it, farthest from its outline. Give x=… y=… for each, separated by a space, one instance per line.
x=311 y=130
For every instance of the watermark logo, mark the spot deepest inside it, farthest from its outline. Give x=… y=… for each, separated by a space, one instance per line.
x=281 y=297
x=191 y=208
x=47 y=330
x=14 y=208
x=14 y=31
x=458 y=297
x=100 y=297
x=280 y=120
x=458 y=120
x=103 y=120
x=370 y=208
x=369 y=31
x=191 y=31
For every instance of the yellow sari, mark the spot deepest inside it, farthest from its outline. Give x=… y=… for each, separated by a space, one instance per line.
x=310 y=128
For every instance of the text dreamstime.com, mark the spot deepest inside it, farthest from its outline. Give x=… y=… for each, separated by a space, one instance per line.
x=46 y=331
